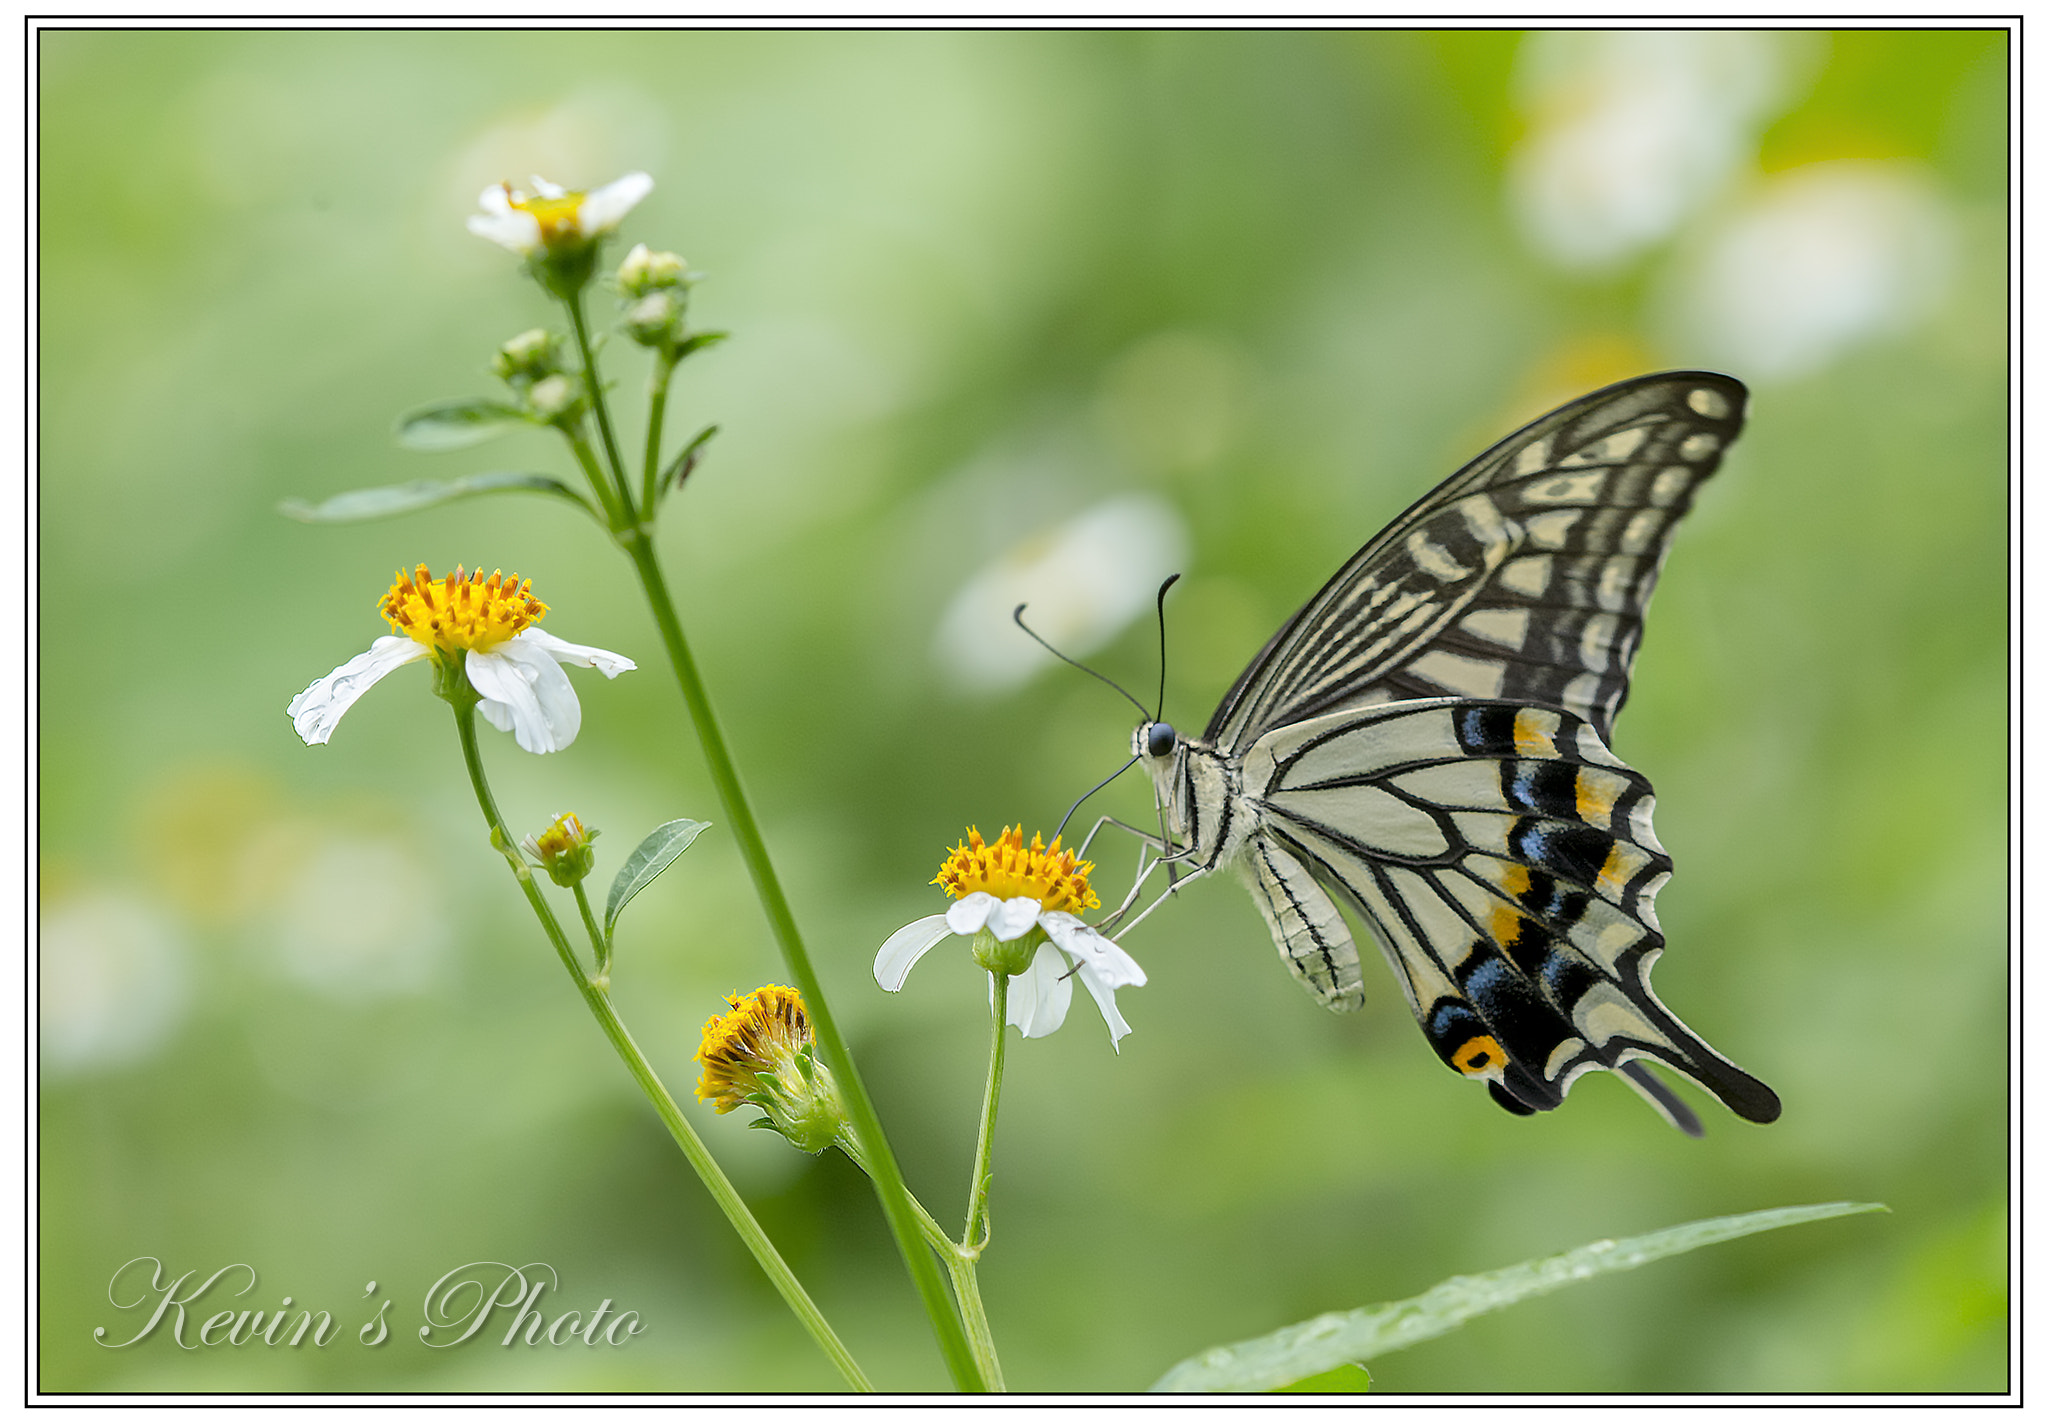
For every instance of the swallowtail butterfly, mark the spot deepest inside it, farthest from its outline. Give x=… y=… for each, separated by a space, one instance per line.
x=1426 y=742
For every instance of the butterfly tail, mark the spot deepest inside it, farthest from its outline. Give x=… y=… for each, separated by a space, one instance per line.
x=1666 y=1102
x=1686 y=1052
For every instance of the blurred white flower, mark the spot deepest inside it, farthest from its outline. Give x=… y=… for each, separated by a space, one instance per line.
x=1084 y=580
x=1632 y=131
x=114 y=979
x=554 y=217
x=1820 y=258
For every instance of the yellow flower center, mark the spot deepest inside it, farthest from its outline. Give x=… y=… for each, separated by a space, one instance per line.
x=559 y=218
x=565 y=835
x=459 y=612
x=760 y=1038
x=1009 y=868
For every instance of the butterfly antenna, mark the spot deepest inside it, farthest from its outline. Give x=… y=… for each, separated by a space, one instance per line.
x=1018 y=618
x=1090 y=792
x=1171 y=580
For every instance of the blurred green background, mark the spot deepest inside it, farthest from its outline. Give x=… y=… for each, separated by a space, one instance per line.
x=1248 y=293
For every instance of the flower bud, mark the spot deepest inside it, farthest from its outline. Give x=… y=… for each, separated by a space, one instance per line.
x=645 y=271
x=563 y=850
x=655 y=320
x=528 y=357
x=557 y=399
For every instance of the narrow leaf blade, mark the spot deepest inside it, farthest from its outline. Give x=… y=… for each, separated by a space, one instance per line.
x=1351 y=1336
x=652 y=856
x=384 y=501
x=451 y=425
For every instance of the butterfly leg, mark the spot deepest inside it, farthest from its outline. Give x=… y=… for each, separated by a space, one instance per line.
x=1190 y=878
x=1144 y=837
x=1146 y=840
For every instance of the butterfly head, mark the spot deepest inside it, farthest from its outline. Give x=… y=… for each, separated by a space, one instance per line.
x=1160 y=748
x=1155 y=741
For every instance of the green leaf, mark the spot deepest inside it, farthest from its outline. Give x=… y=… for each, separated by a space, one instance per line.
x=450 y=425
x=387 y=500
x=652 y=856
x=1345 y=1379
x=1314 y=1347
x=697 y=341
x=686 y=459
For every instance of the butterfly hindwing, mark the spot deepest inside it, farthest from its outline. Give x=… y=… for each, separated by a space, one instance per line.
x=1505 y=860
x=1523 y=577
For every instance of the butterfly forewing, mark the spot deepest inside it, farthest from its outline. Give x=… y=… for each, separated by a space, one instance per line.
x=1523 y=577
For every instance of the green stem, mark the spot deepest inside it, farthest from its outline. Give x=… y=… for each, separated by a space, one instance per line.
x=959 y=1262
x=881 y=1163
x=967 y=1290
x=715 y=1181
x=594 y=387
x=616 y=517
x=599 y=946
x=984 y=1147
x=657 y=408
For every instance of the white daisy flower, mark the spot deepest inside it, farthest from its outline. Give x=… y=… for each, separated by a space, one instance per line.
x=488 y=624
x=1013 y=890
x=552 y=217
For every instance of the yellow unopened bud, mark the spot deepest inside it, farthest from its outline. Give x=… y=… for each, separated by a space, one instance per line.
x=563 y=849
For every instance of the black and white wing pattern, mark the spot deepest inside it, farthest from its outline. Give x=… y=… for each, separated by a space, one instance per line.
x=1522 y=578
x=1426 y=741
x=1504 y=858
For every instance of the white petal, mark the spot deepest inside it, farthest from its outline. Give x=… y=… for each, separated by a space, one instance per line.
x=577 y=654
x=603 y=210
x=1103 y=956
x=315 y=711
x=1104 y=995
x=901 y=950
x=1040 y=995
x=532 y=690
x=970 y=912
x=1013 y=918
x=544 y=189
x=495 y=200
x=517 y=232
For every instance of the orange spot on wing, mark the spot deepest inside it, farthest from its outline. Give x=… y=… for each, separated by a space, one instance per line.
x=1478 y=1057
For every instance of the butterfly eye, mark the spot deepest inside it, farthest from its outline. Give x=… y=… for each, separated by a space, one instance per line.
x=1159 y=740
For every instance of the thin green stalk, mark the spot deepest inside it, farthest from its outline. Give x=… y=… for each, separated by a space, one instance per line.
x=593 y=386
x=722 y=1191
x=598 y=944
x=959 y=1261
x=739 y=814
x=984 y=1147
x=657 y=408
x=967 y=1290
x=616 y=516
